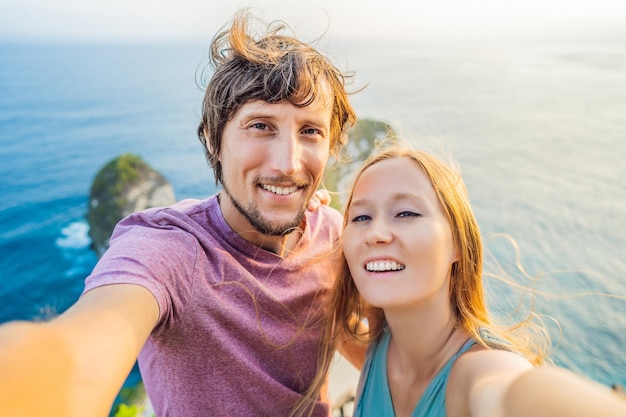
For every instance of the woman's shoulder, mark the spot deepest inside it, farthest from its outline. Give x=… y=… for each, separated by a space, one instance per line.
x=479 y=360
x=480 y=377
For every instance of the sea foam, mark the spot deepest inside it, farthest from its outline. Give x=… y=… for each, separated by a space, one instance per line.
x=74 y=236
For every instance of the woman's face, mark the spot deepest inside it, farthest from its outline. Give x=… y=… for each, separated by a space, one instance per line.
x=397 y=241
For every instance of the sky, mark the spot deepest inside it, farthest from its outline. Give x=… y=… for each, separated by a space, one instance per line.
x=198 y=19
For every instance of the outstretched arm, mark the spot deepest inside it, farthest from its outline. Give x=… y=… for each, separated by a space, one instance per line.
x=552 y=391
x=75 y=364
x=502 y=384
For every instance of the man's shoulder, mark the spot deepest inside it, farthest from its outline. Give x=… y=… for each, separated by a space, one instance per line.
x=326 y=214
x=324 y=224
x=186 y=215
x=192 y=207
x=188 y=208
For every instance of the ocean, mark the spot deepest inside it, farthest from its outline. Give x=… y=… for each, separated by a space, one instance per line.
x=537 y=125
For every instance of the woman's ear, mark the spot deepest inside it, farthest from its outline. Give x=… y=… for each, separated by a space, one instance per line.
x=455 y=254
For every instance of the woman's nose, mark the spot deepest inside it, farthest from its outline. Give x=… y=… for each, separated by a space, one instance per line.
x=378 y=232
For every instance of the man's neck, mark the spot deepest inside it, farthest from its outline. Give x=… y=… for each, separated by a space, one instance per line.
x=281 y=245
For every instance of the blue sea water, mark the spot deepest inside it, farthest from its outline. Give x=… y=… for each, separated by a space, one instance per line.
x=538 y=126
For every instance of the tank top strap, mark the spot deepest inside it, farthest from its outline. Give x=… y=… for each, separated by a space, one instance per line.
x=432 y=403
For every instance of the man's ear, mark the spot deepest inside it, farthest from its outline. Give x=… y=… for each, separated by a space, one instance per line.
x=207 y=144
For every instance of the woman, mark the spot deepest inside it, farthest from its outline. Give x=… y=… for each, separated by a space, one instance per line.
x=413 y=271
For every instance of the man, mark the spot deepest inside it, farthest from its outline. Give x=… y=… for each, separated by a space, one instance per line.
x=221 y=299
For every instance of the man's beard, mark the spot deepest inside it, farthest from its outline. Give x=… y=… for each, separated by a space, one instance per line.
x=262 y=225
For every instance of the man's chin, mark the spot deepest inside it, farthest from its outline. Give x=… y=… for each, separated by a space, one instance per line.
x=280 y=222
x=277 y=229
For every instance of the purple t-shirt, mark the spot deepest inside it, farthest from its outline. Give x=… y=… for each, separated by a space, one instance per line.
x=238 y=325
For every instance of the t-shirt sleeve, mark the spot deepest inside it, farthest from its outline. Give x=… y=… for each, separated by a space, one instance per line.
x=151 y=249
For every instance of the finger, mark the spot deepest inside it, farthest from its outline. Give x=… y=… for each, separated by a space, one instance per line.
x=323 y=196
x=314 y=204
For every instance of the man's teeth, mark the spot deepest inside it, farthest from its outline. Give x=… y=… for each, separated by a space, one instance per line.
x=280 y=190
x=380 y=266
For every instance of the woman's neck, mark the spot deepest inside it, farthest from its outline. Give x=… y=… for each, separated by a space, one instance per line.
x=423 y=341
x=420 y=346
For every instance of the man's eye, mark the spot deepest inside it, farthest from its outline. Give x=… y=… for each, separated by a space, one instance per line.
x=310 y=131
x=259 y=125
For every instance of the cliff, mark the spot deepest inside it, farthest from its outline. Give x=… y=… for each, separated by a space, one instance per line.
x=363 y=139
x=124 y=185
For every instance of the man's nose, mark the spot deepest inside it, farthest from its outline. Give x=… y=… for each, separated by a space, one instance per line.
x=287 y=153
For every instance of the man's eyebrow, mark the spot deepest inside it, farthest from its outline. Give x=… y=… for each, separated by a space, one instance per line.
x=252 y=113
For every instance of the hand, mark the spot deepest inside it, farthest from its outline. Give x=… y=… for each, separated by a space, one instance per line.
x=321 y=196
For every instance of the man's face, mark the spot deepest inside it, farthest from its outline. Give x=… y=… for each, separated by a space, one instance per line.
x=273 y=157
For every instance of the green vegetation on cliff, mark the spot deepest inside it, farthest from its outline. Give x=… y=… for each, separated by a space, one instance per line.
x=107 y=199
x=124 y=185
x=363 y=138
x=118 y=174
x=130 y=402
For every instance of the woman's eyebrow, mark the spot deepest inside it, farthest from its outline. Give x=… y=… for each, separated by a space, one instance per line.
x=395 y=197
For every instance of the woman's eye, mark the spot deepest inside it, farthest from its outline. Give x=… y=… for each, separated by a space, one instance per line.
x=407 y=213
x=360 y=218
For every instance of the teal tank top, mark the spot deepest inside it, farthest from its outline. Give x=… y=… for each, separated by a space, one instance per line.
x=374 y=397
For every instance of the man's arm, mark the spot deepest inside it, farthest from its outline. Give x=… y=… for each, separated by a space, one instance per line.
x=319 y=198
x=75 y=364
x=353 y=350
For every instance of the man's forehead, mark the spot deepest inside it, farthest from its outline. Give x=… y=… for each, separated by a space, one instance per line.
x=321 y=105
